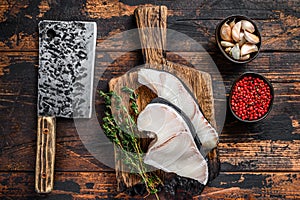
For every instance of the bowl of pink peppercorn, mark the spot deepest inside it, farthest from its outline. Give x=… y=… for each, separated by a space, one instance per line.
x=251 y=97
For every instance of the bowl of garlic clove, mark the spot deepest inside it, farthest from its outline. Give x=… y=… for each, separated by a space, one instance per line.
x=238 y=39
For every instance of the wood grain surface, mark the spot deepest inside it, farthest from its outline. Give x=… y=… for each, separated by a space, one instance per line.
x=45 y=154
x=258 y=161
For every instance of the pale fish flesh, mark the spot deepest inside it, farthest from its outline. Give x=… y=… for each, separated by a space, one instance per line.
x=169 y=87
x=174 y=149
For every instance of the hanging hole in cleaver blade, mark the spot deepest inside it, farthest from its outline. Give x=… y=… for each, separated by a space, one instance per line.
x=51 y=34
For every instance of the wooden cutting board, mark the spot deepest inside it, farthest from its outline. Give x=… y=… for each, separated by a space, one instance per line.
x=200 y=84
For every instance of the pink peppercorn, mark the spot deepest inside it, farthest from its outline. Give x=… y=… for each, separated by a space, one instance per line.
x=250 y=98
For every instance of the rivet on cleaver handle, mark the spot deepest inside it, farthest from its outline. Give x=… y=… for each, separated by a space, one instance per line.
x=65 y=84
x=45 y=156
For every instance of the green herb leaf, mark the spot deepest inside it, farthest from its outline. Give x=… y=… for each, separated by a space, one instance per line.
x=121 y=130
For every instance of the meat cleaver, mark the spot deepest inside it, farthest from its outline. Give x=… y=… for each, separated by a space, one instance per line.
x=65 y=85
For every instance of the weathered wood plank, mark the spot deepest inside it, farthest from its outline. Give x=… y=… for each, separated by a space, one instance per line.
x=277 y=34
x=113 y=8
x=100 y=9
x=102 y=185
x=18 y=149
x=279 y=25
x=197 y=9
x=221 y=9
x=253 y=186
x=278 y=67
x=67 y=185
x=15 y=58
x=258 y=155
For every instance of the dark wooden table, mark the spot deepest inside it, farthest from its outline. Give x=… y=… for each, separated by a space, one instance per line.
x=260 y=160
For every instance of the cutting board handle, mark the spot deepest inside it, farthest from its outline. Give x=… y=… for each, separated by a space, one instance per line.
x=45 y=155
x=152 y=24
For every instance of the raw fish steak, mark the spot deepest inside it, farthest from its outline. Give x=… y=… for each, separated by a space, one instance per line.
x=169 y=87
x=174 y=149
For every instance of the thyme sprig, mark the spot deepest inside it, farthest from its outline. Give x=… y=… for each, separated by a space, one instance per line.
x=121 y=129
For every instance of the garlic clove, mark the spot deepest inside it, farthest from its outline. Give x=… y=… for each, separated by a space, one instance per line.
x=245 y=57
x=236 y=31
x=225 y=32
x=235 y=52
x=226 y=44
x=248 y=26
x=242 y=39
x=232 y=23
x=228 y=49
x=253 y=39
x=248 y=48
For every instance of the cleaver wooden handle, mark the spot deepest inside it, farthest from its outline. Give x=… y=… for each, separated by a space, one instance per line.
x=45 y=155
x=152 y=24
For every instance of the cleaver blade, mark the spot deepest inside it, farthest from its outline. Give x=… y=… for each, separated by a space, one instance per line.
x=65 y=86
